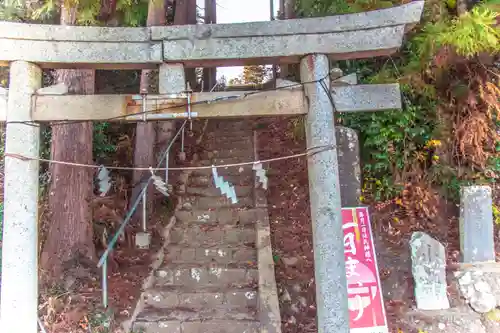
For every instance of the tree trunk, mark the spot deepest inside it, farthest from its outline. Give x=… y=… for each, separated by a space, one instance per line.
x=287 y=11
x=70 y=233
x=185 y=13
x=145 y=134
x=210 y=74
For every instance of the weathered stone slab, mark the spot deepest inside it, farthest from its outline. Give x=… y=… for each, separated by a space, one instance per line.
x=479 y=285
x=220 y=326
x=366 y=97
x=476 y=224
x=478 y=290
x=429 y=272
x=456 y=320
x=169 y=326
x=235 y=51
x=400 y=15
x=48 y=32
x=358 y=35
x=68 y=54
x=351 y=97
x=349 y=167
x=84 y=107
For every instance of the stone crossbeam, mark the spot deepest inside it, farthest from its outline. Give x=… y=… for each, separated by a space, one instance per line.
x=283 y=102
x=367 y=97
x=349 y=36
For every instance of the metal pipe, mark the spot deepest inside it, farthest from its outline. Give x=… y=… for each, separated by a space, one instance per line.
x=144 y=108
x=137 y=201
x=122 y=226
x=166 y=167
x=105 y=284
x=182 y=140
x=189 y=109
x=144 y=210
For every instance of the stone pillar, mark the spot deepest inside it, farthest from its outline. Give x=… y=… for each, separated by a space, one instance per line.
x=19 y=299
x=171 y=80
x=476 y=224
x=324 y=189
x=349 y=166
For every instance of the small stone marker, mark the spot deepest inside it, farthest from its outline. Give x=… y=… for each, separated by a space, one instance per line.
x=476 y=224
x=142 y=240
x=428 y=267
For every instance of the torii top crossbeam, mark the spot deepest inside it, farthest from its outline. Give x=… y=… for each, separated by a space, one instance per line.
x=349 y=36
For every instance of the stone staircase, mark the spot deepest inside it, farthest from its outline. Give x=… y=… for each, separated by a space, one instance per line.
x=217 y=275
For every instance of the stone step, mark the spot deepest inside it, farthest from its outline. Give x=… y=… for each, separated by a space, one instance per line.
x=224 y=161
x=207 y=326
x=220 y=202
x=246 y=153
x=229 y=144
x=233 y=171
x=241 y=191
x=219 y=236
x=223 y=216
x=231 y=125
x=201 y=277
x=228 y=299
x=240 y=256
x=187 y=315
x=226 y=141
x=207 y=180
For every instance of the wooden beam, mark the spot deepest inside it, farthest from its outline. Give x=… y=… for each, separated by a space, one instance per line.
x=283 y=102
x=103 y=107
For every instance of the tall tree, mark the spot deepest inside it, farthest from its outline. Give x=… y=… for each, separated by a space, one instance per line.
x=253 y=74
x=145 y=135
x=70 y=230
x=210 y=74
x=185 y=13
x=287 y=12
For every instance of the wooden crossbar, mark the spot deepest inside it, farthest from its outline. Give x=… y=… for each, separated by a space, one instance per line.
x=284 y=102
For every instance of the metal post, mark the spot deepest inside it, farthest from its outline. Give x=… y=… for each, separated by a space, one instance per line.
x=324 y=192
x=144 y=210
x=19 y=299
x=167 y=157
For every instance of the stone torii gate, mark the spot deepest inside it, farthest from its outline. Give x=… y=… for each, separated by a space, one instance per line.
x=27 y=48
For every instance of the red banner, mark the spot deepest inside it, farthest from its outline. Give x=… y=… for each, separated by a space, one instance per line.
x=366 y=304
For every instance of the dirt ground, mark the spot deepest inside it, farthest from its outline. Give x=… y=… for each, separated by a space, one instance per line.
x=292 y=236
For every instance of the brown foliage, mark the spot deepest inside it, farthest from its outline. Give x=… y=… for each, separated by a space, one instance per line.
x=475 y=131
x=419 y=201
